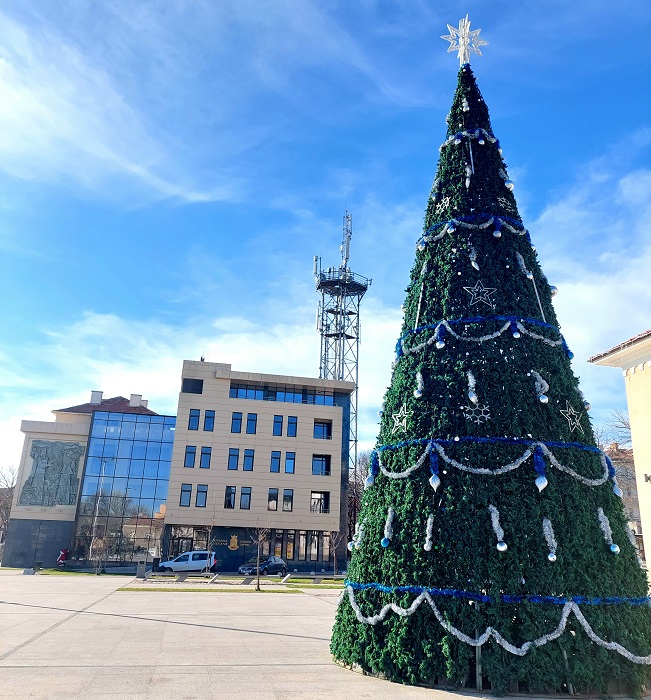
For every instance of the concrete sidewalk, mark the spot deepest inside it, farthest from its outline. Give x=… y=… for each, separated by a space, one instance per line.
x=77 y=636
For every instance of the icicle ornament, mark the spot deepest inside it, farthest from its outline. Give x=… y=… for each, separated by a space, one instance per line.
x=541 y=387
x=548 y=531
x=472 y=383
x=473 y=257
x=497 y=528
x=420 y=385
x=428 y=534
x=604 y=523
x=388 y=528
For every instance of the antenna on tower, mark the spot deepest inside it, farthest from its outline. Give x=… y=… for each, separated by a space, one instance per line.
x=338 y=324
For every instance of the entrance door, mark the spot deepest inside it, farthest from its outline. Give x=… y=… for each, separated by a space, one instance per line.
x=180 y=545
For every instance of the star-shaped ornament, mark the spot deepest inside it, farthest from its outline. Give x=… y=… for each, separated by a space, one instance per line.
x=479 y=293
x=477 y=414
x=442 y=205
x=400 y=419
x=463 y=41
x=573 y=417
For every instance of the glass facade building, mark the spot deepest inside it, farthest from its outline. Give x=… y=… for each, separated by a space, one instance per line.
x=124 y=486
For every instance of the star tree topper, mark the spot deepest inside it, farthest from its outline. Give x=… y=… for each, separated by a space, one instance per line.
x=464 y=41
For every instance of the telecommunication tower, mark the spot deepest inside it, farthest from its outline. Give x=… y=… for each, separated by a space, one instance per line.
x=338 y=323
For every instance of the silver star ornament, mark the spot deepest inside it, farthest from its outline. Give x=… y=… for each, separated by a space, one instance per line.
x=463 y=41
x=400 y=419
x=480 y=293
x=573 y=417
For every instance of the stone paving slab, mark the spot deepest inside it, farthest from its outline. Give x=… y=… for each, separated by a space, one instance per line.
x=79 y=637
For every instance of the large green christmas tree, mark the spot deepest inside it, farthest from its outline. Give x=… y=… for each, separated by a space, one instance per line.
x=490 y=519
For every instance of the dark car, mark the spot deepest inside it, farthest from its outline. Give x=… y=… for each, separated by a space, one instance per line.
x=268 y=565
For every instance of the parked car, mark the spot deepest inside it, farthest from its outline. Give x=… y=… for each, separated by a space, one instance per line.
x=268 y=565
x=199 y=560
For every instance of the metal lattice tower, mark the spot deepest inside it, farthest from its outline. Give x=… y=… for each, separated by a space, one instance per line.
x=338 y=323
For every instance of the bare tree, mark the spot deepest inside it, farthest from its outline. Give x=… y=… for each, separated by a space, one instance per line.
x=356 y=489
x=335 y=540
x=210 y=530
x=7 y=486
x=259 y=535
x=619 y=427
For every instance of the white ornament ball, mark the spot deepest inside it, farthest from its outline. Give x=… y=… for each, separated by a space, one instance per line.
x=516 y=334
x=502 y=546
x=586 y=405
x=440 y=344
x=509 y=185
x=553 y=290
x=351 y=546
x=481 y=142
x=543 y=399
x=529 y=275
x=452 y=229
x=497 y=233
x=418 y=393
x=552 y=557
x=457 y=141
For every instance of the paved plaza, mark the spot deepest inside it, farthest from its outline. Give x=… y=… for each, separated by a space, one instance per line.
x=78 y=636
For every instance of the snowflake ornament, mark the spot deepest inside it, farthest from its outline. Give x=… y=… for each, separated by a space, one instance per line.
x=477 y=414
x=442 y=205
x=506 y=203
x=463 y=41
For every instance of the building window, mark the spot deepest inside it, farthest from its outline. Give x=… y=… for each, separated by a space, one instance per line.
x=205 y=457
x=290 y=462
x=313 y=545
x=302 y=545
x=288 y=500
x=325 y=550
x=229 y=497
x=320 y=502
x=272 y=502
x=248 y=460
x=202 y=496
x=323 y=429
x=190 y=454
x=292 y=423
x=236 y=422
x=274 y=465
x=193 y=420
x=191 y=386
x=186 y=495
x=278 y=543
x=278 y=425
x=233 y=458
x=320 y=465
x=251 y=423
x=245 y=498
x=289 y=550
x=209 y=421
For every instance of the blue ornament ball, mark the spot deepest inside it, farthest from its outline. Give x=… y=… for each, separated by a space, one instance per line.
x=385 y=542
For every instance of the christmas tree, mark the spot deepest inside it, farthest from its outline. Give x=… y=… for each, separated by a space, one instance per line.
x=491 y=520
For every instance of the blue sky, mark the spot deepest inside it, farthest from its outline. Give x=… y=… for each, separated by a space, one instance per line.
x=169 y=169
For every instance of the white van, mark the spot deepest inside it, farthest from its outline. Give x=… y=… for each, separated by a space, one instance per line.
x=200 y=560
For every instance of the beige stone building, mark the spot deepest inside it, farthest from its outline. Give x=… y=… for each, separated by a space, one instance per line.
x=633 y=357
x=259 y=451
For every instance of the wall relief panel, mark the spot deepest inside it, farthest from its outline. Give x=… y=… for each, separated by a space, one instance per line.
x=53 y=480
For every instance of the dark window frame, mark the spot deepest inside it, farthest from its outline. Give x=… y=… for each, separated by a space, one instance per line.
x=251 y=423
x=245 y=491
x=292 y=426
x=274 y=462
x=193 y=419
x=206 y=455
x=190 y=456
x=288 y=498
x=320 y=502
x=277 y=429
x=209 y=420
x=271 y=500
x=321 y=465
x=233 y=458
x=203 y=490
x=230 y=494
x=236 y=422
x=248 y=460
x=322 y=429
x=186 y=490
x=290 y=458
